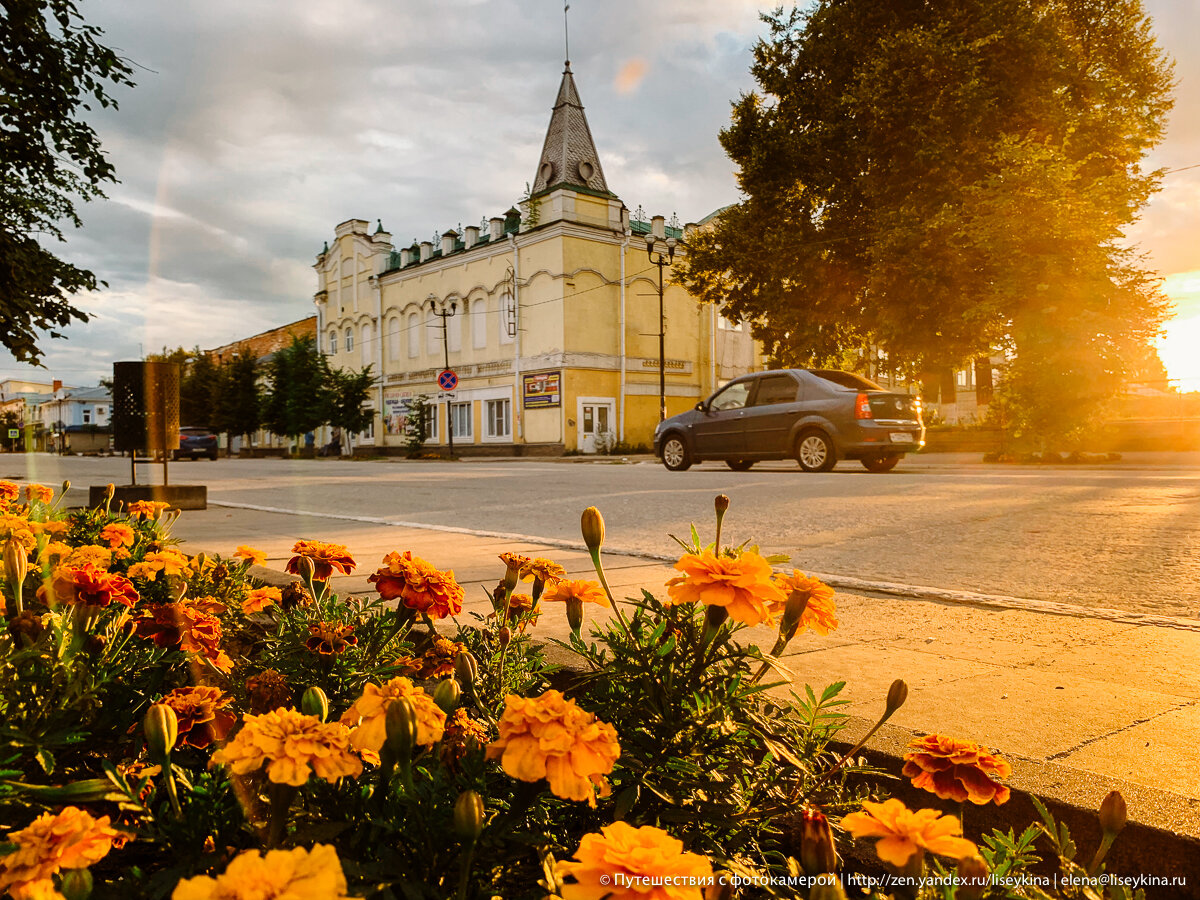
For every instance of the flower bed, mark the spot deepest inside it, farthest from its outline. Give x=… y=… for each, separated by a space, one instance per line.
x=168 y=727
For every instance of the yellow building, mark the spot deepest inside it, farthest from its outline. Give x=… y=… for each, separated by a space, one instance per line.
x=549 y=317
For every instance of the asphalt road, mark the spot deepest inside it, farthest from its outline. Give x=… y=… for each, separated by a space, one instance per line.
x=1125 y=536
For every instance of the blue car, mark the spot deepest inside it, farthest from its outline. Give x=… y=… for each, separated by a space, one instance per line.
x=815 y=416
x=195 y=443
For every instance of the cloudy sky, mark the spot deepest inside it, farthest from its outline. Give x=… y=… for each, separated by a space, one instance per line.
x=256 y=127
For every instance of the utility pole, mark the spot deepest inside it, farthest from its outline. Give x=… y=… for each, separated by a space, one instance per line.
x=658 y=258
x=444 y=312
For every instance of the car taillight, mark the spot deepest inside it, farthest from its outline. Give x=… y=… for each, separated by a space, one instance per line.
x=183 y=437
x=862 y=407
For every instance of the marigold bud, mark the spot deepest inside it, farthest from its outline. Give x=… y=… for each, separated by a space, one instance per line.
x=896 y=696
x=314 y=702
x=66 y=487
x=468 y=816
x=715 y=617
x=446 y=695
x=161 y=727
x=109 y=490
x=1113 y=813
x=721 y=503
x=575 y=614
x=400 y=721
x=817 y=853
x=504 y=637
x=75 y=884
x=793 y=611
x=972 y=877
x=94 y=644
x=294 y=594
x=591 y=523
x=16 y=563
x=26 y=628
x=307 y=568
x=466 y=669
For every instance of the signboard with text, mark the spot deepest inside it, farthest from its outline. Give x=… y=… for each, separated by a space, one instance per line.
x=395 y=410
x=542 y=389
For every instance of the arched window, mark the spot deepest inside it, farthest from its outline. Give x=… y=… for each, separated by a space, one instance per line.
x=414 y=335
x=393 y=332
x=365 y=344
x=333 y=342
x=454 y=327
x=433 y=332
x=479 y=322
x=349 y=339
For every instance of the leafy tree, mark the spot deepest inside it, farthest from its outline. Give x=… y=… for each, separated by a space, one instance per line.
x=297 y=402
x=416 y=424
x=52 y=68
x=240 y=407
x=939 y=180
x=347 y=394
x=198 y=390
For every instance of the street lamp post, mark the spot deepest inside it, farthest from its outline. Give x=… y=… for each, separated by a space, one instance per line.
x=660 y=259
x=444 y=311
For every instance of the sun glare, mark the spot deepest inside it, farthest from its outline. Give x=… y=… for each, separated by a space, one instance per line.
x=1179 y=350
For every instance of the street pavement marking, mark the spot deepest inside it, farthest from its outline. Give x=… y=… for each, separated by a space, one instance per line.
x=845 y=582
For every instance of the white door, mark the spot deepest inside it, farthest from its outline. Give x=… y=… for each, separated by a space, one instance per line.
x=597 y=424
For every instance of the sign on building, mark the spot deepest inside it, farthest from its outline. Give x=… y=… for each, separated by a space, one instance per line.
x=542 y=389
x=396 y=405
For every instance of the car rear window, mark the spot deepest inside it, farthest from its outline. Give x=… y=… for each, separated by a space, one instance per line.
x=846 y=379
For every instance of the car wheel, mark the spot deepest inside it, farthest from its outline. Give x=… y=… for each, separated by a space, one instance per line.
x=739 y=465
x=675 y=453
x=880 y=463
x=815 y=452
x=213 y=456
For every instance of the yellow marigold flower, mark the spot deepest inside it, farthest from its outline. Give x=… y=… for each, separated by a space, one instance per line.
x=150 y=509
x=297 y=874
x=584 y=591
x=169 y=562
x=550 y=737
x=38 y=492
x=256 y=557
x=368 y=714
x=90 y=554
x=117 y=534
x=260 y=598
x=743 y=585
x=646 y=852
x=9 y=493
x=516 y=562
x=55 y=527
x=956 y=770
x=324 y=557
x=42 y=889
x=55 y=551
x=70 y=839
x=544 y=570
x=821 y=612
x=904 y=833
x=291 y=746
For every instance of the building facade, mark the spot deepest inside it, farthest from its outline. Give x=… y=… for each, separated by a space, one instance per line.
x=549 y=316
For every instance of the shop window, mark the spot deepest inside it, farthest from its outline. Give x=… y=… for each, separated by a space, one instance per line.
x=460 y=415
x=499 y=418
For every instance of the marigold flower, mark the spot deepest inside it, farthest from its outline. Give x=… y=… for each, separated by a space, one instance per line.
x=368 y=714
x=38 y=492
x=438 y=660
x=148 y=509
x=904 y=833
x=462 y=735
x=584 y=591
x=117 y=534
x=325 y=558
x=820 y=613
x=418 y=585
x=201 y=713
x=259 y=599
x=169 y=562
x=647 y=853
x=296 y=874
x=515 y=563
x=70 y=839
x=9 y=493
x=90 y=554
x=254 y=557
x=88 y=586
x=267 y=691
x=330 y=638
x=742 y=585
x=55 y=527
x=182 y=626
x=551 y=737
x=956 y=770
x=544 y=570
x=291 y=746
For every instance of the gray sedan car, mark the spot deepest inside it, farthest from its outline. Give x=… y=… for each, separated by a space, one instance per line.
x=815 y=416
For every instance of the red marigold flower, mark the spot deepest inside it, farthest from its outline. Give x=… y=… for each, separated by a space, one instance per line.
x=267 y=691
x=9 y=492
x=201 y=714
x=330 y=638
x=956 y=770
x=325 y=558
x=418 y=585
x=88 y=586
x=183 y=627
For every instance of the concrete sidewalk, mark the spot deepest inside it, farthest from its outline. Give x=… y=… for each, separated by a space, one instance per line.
x=1098 y=698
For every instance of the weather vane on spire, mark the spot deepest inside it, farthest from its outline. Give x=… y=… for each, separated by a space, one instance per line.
x=566 y=34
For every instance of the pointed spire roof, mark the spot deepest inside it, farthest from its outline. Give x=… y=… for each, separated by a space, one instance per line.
x=569 y=153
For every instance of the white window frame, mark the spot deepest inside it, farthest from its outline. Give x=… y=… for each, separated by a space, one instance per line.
x=504 y=433
x=432 y=415
x=469 y=433
x=333 y=341
x=350 y=339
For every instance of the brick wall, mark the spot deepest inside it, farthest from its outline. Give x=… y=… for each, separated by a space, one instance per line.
x=267 y=342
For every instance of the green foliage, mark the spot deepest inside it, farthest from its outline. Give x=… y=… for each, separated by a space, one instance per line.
x=346 y=394
x=416 y=424
x=198 y=403
x=54 y=67
x=298 y=375
x=240 y=408
x=939 y=180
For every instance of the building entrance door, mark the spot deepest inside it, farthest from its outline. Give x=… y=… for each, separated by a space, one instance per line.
x=597 y=424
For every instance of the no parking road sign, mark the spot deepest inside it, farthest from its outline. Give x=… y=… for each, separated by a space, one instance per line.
x=447 y=380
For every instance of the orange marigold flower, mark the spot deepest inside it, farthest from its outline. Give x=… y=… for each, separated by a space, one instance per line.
x=368 y=713
x=88 y=586
x=182 y=626
x=55 y=527
x=90 y=554
x=551 y=737
x=149 y=509
x=903 y=833
x=9 y=492
x=743 y=585
x=38 y=492
x=325 y=558
x=647 y=853
x=169 y=562
x=259 y=599
x=267 y=691
x=418 y=585
x=956 y=770
x=330 y=638
x=544 y=570
x=438 y=660
x=462 y=735
x=584 y=591
x=291 y=746
x=70 y=839
x=255 y=557
x=820 y=613
x=515 y=562
x=201 y=713
x=296 y=874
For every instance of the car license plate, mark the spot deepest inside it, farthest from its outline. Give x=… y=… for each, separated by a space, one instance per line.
x=901 y=437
